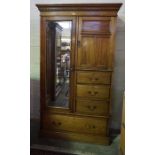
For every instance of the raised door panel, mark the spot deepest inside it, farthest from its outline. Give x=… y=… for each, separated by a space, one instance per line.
x=94 y=25
x=101 y=52
x=86 y=52
x=93 y=43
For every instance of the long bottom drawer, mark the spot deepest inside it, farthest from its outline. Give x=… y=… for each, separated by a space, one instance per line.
x=90 y=125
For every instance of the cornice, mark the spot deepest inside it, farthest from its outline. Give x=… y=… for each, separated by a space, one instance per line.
x=79 y=7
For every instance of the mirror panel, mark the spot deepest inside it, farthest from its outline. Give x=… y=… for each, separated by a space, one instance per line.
x=58 y=37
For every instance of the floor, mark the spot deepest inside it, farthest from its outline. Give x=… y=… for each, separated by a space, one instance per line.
x=77 y=148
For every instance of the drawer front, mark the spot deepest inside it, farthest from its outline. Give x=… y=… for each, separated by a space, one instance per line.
x=76 y=124
x=90 y=91
x=92 y=107
x=94 y=77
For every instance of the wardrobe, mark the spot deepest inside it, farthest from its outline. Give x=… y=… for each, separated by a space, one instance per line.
x=77 y=44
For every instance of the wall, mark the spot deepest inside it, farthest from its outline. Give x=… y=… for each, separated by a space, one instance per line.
x=118 y=78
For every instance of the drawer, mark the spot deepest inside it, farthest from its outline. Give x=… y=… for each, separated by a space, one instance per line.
x=94 y=77
x=92 y=107
x=77 y=124
x=90 y=91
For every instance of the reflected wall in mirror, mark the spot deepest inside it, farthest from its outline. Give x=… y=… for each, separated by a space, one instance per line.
x=58 y=37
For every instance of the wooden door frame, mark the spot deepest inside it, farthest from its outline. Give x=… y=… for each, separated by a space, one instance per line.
x=43 y=103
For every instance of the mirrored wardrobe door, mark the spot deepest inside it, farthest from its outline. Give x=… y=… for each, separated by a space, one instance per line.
x=59 y=63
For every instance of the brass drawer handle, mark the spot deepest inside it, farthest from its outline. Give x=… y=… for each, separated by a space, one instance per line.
x=90 y=126
x=103 y=67
x=92 y=108
x=93 y=79
x=92 y=93
x=56 y=123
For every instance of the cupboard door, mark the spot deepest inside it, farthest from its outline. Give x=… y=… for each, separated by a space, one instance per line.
x=93 y=43
x=57 y=62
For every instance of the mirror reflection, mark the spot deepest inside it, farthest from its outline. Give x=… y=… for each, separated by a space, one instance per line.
x=59 y=46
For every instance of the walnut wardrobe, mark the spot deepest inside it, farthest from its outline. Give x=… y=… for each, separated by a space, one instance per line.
x=77 y=54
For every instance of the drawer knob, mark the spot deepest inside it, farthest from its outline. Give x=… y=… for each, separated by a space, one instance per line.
x=59 y=123
x=90 y=126
x=89 y=92
x=95 y=92
x=56 y=123
x=92 y=108
x=96 y=79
